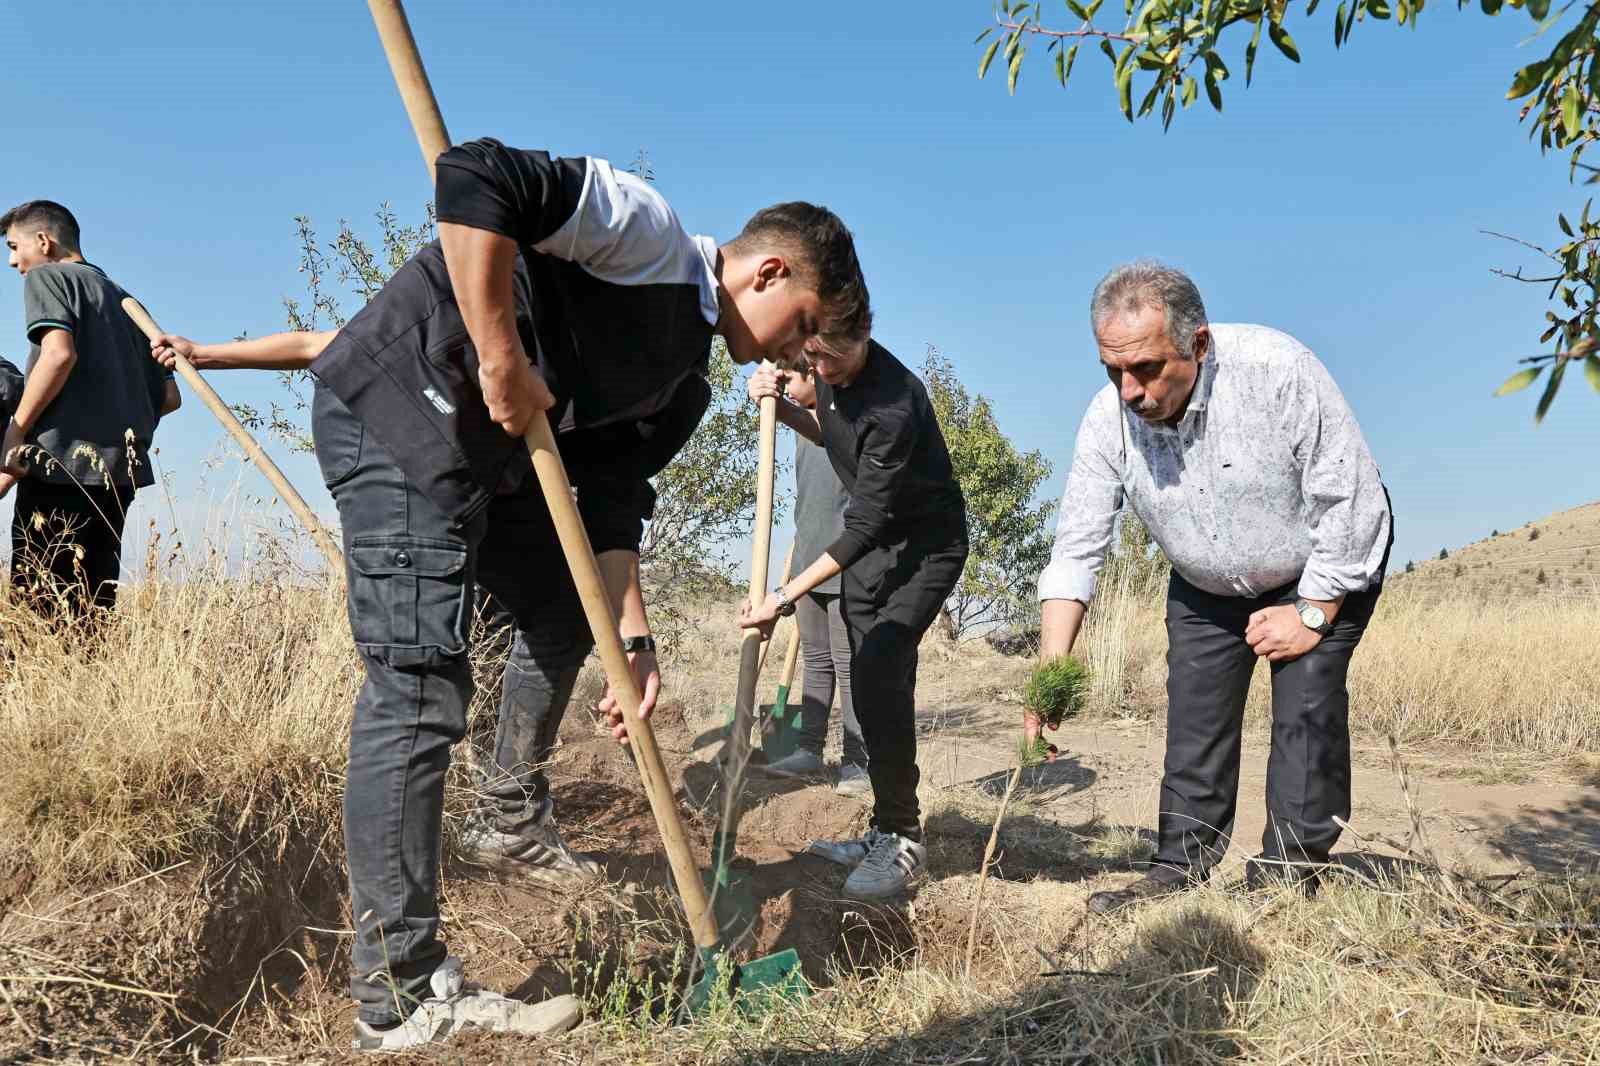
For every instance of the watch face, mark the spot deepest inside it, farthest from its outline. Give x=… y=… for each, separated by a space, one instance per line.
x=1312 y=616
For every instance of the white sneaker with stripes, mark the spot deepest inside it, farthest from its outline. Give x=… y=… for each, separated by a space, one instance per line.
x=892 y=862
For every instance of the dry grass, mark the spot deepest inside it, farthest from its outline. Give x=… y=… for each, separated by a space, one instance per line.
x=174 y=795
x=1511 y=676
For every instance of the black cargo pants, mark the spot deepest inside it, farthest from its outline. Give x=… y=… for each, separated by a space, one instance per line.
x=412 y=578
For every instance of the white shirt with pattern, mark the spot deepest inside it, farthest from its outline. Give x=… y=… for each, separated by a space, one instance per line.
x=1266 y=480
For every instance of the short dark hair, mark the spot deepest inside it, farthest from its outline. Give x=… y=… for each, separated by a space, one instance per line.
x=822 y=252
x=46 y=215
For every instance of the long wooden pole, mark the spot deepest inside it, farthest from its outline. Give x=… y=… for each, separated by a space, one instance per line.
x=280 y=484
x=406 y=63
x=744 y=704
x=750 y=653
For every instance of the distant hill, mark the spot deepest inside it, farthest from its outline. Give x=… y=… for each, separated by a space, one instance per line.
x=1564 y=548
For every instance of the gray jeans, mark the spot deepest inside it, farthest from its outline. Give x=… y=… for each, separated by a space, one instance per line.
x=825 y=646
x=412 y=578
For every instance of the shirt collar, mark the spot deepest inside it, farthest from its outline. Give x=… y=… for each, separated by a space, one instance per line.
x=1202 y=388
x=1202 y=385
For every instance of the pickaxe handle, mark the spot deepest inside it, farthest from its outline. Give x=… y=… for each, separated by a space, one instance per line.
x=280 y=484
x=406 y=63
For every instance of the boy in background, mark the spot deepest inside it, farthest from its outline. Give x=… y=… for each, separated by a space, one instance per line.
x=819 y=505
x=78 y=444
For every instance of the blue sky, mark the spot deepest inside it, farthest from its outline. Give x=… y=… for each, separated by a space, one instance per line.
x=1340 y=200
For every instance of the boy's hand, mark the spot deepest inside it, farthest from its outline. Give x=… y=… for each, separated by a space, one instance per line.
x=766 y=381
x=514 y=392
x=166 y=348
x=647 y=675
x=12 y=461
x=763 y=618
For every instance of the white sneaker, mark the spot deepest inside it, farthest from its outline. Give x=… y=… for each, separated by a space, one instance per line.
x=457 y=1005
x=891 y=864
x=849 y=853
x=537 y=853
x=800 y=763
x=853 y=780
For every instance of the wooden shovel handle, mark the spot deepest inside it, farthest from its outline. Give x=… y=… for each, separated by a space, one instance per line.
x=552 y=476
x=416 y=92
x=744 y=703
x=280 y=484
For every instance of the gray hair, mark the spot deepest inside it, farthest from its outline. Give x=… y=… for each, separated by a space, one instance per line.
x=1132 y=287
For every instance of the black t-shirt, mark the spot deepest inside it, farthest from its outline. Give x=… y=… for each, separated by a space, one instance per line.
x=883 y=438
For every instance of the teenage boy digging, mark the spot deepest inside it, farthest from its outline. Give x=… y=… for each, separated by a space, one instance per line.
x=560 y=285
x=78 y=445
x=902 y=551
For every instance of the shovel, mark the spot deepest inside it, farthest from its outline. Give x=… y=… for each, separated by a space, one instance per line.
x=764 y=980
x=735 y=903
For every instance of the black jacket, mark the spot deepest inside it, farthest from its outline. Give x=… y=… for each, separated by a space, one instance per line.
x=616 y=305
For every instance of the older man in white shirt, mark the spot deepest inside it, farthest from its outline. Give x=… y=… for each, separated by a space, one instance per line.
x=1238 y=452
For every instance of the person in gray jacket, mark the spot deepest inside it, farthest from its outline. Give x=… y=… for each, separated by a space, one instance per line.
x=819 y=502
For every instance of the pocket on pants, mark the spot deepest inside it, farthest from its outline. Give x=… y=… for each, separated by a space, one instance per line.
x=409 y=599
x=336 y=437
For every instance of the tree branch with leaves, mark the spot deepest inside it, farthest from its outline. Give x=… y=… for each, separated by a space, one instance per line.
x=1165 y=52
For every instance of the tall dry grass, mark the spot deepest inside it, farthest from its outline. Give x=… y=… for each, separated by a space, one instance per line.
x=1514 y=675
x=201 y=707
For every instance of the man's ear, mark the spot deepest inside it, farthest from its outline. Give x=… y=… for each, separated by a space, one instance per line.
x=770 y=269
x=48 y=245
x=1202 y=343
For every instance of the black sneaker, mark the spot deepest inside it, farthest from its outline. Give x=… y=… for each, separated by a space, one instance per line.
x=1146 y=888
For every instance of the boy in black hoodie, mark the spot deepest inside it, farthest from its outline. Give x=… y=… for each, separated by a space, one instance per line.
x=902 y=551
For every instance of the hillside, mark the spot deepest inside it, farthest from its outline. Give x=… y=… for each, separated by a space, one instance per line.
x=1555 y=555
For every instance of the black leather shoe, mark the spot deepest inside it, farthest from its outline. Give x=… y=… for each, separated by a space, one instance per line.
x=1262 y=875
x=1146 y=888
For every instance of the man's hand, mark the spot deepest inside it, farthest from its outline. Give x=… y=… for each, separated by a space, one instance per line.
x=12 y=461
x=1031 y=728
x=7 y=480
x=166 y=348
x=766 y=381
x=1277 y=634
x=764 y=617
x=647 y=675
x=514 y=392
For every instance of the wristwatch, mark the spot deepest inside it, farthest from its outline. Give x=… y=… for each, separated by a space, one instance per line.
x=1313 y=617
x=644 y=643
x=785 y=604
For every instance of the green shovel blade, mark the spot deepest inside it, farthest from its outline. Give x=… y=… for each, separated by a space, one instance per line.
x=753 y=987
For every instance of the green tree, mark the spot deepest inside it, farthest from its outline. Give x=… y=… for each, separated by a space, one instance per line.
x=1163 y=53
x=1007 y=531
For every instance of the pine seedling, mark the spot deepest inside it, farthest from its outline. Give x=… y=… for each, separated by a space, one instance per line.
x=1056 y=690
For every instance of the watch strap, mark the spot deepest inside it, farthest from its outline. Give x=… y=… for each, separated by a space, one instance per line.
x=634 y=644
